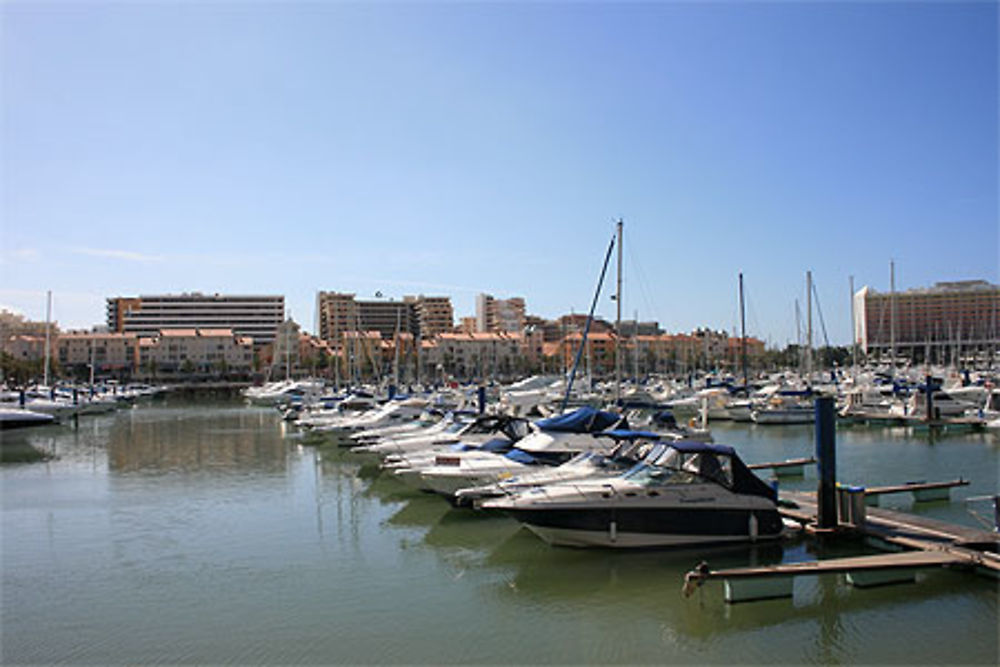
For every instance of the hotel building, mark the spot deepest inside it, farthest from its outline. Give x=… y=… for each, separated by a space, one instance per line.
x=493 y=315
x=943 y=323
x=421 y=316
x=254 y=316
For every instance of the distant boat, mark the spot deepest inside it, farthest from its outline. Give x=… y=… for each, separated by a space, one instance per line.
x=786 y=407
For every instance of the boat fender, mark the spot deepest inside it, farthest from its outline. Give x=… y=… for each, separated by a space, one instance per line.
x=613 y=531
x=753 y=527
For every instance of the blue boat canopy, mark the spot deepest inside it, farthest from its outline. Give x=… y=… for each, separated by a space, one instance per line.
x=695 y=447
x=521 y=456
x=582 y=420
x=623 y=434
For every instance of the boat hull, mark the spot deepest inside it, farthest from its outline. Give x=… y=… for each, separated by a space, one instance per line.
x=780 y=416
x=649 y=527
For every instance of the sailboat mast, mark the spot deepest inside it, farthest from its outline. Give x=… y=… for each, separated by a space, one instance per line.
x=618 y=321
x=48 y=352
x=809 y=325
x=635 y=342
x=854 y=328
x=743 y=336
x=395 y=361
x=892 y=313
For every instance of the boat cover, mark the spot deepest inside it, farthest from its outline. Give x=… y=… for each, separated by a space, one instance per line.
x=744 y=479
x=521 y=456
x=623 y=434
x=582 y=420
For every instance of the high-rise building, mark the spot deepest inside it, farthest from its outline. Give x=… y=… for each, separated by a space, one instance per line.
x=939 y=323
x=336 y=313
x=415 y=315
x=496 y=315
x=254 y=316
x=434 y=315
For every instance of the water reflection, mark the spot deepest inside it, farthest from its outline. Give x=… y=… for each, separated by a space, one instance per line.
x=203 y=533
x=234 y=440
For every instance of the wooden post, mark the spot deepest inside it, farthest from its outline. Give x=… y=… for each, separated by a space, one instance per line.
x=930 y=398
x=826 y=446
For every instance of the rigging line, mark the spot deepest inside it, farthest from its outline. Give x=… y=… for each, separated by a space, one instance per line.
x=819 y=310
x=641 y=281
x=586 y=328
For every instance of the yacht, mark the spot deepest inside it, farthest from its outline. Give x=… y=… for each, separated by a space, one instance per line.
x=488 y=436
x=695 y=493
x=391 y=413
x=552 y=441
x=787 y=406
x=399 y=452
x=630 y=448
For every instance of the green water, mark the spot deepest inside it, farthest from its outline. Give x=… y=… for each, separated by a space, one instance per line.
x=192 y=534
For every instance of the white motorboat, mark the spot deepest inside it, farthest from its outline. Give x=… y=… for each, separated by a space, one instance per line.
x=943 y=404
x=695 y=493
x=283 y=391
x=494 y=434
x=786 y=407
x=392 y=412
x=446 y=432
x=631 y=447
x=552 y=441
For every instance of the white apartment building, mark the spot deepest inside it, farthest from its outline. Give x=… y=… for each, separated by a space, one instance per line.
x=256 y=316
x=494 y=314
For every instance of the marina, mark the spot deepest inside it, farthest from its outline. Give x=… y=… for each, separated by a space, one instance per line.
x=177 y=532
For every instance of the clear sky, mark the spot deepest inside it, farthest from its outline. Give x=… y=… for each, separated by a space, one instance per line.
x=453 y=148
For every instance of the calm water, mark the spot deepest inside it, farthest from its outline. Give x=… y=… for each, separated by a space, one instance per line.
x=180 y=533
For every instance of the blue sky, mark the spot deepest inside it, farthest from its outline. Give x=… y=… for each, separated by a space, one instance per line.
x=285 y=148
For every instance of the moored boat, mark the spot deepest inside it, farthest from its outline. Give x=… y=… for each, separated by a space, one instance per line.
x=695 y=493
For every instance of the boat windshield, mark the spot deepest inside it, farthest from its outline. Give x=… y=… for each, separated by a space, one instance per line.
x=676 y=467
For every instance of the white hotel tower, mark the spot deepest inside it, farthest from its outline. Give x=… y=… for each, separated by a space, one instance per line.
x=255 y=316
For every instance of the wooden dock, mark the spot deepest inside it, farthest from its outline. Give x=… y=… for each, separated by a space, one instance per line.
x=922 y=491
x=913 y=542
x=915 y=421
x=787 y=468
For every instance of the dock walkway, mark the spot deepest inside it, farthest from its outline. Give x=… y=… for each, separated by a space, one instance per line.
x=914 y=542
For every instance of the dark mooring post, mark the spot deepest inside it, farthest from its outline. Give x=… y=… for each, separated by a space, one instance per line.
x=481 y=395
x=826 y=463
x=930 y=398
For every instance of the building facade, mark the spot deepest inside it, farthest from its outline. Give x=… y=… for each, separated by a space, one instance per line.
x=474 y=355
x=434 y=315
x=951 y=322
x=421 y=316
x=493 y=315
x=253 y=316
x=207 y=352
x=112 y=354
